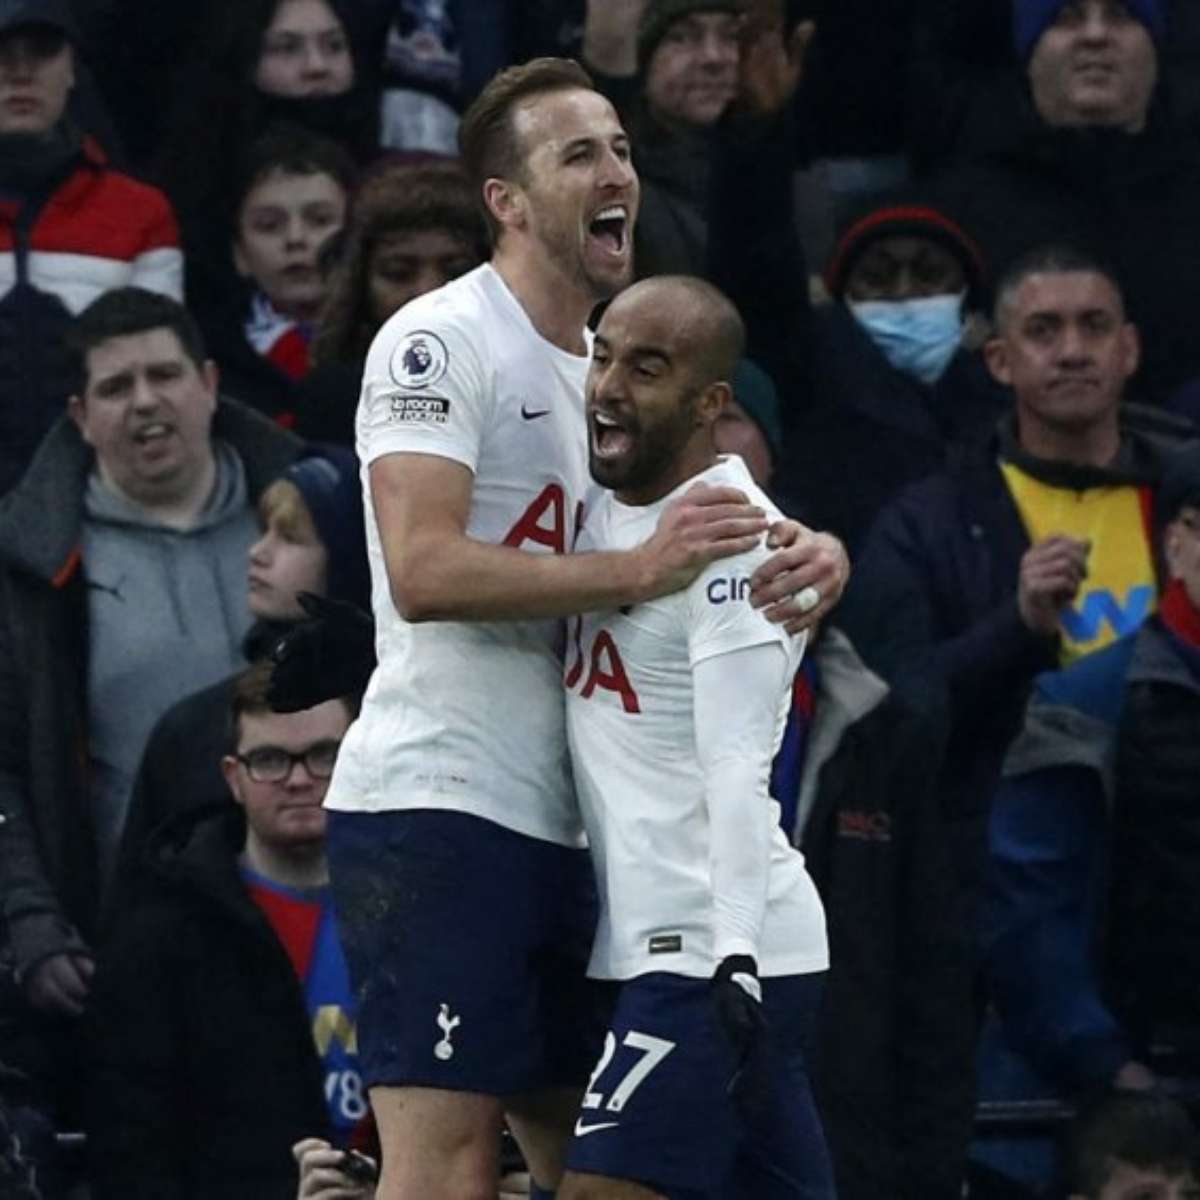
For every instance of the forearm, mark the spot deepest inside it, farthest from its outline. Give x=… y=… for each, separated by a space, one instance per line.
x=735 y=752
x=458 y=578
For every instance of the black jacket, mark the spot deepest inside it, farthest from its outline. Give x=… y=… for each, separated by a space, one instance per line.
x=894 y=1072
x=868 y=430
x=204 y=1069
x=1134 y=200
x=48 y=885
x=933 y=603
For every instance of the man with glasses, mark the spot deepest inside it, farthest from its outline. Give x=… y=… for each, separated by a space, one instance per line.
x=223 y=1029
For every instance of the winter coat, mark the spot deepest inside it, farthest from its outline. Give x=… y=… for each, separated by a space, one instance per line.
x=204 y=1071
x=48 y=880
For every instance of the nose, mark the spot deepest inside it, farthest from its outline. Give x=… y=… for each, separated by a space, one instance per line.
x=260 y=552
x=292 y=780
x=1073 y=346
x=144 y=396
x=316 y=61
x=297 y=233
x=1097 y=22
x=617 y=171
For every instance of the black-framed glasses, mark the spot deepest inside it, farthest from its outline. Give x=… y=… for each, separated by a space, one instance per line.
x=273 y=764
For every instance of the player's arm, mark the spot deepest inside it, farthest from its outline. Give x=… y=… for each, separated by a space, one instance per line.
x=436 y=571
x=736 y=714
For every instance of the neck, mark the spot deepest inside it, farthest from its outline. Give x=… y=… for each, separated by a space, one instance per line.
x=557 y=305
x=1093 y=447
x=692 y=462
x=302 y=866
x=178 y=508
x=305 y=311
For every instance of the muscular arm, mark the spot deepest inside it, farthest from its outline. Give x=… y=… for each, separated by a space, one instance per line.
x=436 y=571
x=735 y=744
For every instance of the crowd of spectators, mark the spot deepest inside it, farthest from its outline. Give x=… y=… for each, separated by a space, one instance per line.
x=965 y=240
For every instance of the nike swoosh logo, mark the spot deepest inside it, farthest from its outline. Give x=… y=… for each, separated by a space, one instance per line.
x=533 y=416
x=582 y=1130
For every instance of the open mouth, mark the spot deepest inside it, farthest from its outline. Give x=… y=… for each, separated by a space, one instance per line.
x=610 y=437
x=150 y=434
x=610 y=227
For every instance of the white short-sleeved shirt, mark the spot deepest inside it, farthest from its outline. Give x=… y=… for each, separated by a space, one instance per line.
x=469 y=715
x=638 y=775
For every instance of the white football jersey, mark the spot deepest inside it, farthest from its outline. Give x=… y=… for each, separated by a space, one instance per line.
x=469 y=715
x=630 y=724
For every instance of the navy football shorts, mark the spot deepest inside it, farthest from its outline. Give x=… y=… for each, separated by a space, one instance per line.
x=658 y=1109
x=467 y=946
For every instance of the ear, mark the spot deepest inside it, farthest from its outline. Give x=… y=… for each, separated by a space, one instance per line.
x=210 y=373
x=995 y=354
x=230 y=768
x=712 y=402
x=78 y=414
x=239 y=259
x=1131 y=348
x=506 y=202
x=1172 y=540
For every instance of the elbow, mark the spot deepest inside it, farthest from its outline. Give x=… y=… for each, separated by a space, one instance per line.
x=413 y=602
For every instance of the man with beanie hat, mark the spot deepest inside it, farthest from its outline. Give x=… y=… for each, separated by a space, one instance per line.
x=1096 y=815
x=70 y=226
x=894 y=383
x=687 y=76
x=1103 y=166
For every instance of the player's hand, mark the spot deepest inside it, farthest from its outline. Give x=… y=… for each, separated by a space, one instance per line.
x=60 y=984
x=702 y=525
x=321 y=1174
x=1052 y=572
x=737 y=999
x=329 y=655
x=799 y=584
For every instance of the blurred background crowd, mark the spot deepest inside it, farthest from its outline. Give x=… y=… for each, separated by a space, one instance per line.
x=964 y=237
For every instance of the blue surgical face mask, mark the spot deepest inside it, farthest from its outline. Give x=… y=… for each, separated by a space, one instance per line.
x=918 y=337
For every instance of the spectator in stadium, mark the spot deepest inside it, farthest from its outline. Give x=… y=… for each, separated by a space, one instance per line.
x=122 y=588
x=70 y=226
x=257 y=64
x=856 y=780
x=1030 y=549
x=693 y=99
x=1091 y=927
x=292 y=201
x=1130 y=1145
x=311 y=541
x=412 y=228
x=892 y=383
x=222 y=1021
x=1103 y=166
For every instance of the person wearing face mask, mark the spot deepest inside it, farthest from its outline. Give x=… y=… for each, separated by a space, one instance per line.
x=892 y=378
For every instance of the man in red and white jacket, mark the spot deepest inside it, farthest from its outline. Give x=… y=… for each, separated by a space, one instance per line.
x=70 y=226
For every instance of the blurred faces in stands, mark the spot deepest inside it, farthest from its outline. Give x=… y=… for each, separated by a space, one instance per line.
x=37 y=72
x=305 y=51
x=1096 y=64
x=691 y=71
x=284 y=220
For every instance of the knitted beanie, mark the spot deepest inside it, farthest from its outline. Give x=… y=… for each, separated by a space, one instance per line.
x=903 y=216
x=327 y=479
x=660 y=15
x=1031 y=18
x=755 y=391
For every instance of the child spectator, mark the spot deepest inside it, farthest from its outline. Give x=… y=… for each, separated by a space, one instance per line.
x=1133 y=1146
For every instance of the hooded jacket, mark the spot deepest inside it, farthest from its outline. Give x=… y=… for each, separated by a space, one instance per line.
x=49 y=890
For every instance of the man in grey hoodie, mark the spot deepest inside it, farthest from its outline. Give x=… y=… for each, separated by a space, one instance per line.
x=122 y=589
